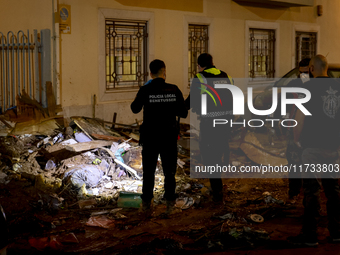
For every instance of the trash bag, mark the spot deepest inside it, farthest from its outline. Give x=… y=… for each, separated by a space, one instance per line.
x=89 y=175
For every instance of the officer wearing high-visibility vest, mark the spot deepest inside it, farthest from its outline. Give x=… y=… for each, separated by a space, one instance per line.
x=217 y=102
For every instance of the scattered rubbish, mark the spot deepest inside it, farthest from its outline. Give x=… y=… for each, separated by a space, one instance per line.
x=16 y=167
x=184 y=202
x=186 y=186
x=50 y=164
x=113 y=211
x=197 y=185
x=109 y=185
x=269 y=199
x=3 y=177
x=58 y=138
x=100 y=221
x=93 y=191
x=69 y=142
x=43 y=142
x=248 y=235
x=266 y=193
x=129 y=199
x=228 y=216
x=86 y=204
x=100 y=213
x=256 y=218
x=97 y=161
x=180 y=163
x=82 y=138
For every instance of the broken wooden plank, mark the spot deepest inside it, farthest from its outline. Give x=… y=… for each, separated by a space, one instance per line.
x=134 y=138
x=78 y=147
x=25 y=99
x=34 y=127
x=107 y=137
x=51 y=103
x=2 y=119
x=90 y=126
x=132 y=126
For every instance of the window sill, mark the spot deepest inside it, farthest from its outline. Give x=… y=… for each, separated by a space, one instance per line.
x=121 y=90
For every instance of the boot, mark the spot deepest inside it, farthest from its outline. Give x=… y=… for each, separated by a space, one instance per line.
x=171 y=208
x=146 y=208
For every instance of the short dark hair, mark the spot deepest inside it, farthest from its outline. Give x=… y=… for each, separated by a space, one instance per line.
x=304 y=62
x=156 y=66
x=205 y=59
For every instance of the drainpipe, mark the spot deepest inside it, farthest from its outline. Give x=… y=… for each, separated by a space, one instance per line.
x=56 y=50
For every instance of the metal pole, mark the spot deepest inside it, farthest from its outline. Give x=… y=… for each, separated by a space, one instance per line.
x=45 y=62
x=18 y=59
x=36 y=65
x=29 y=62
x=3 y=72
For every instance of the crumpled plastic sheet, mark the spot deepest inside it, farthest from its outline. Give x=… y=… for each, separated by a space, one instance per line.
x=100 y=221
x=88 y=174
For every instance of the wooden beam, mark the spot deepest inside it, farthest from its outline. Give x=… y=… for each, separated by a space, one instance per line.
x=107 y=137
x=51 y=103
x=78 y=147
x=114 y=120
x=3 y=121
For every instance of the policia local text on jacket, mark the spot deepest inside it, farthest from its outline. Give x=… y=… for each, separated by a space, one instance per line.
x=162 y=102
x=214 y=141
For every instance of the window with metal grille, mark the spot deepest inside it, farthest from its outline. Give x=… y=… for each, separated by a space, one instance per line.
x=305 y=45
x=198 y=43
x=126 y=53
x=261 y=53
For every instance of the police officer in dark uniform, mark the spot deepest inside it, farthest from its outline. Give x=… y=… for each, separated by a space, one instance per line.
x=161 y=103
x=214 y=141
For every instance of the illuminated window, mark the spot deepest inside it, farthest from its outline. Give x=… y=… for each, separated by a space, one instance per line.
x=305 y=46
x=261 y=53
x=198 y=43
x=126 y=53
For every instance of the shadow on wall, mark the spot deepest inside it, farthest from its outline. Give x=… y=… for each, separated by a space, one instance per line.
x=301 y=14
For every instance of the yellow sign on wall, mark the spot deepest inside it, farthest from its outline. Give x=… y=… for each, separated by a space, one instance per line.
x=65 y=18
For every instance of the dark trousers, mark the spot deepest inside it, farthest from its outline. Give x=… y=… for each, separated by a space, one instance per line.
x=293 y=155
x=312 y=184
x=214 y=149
x=166 y=147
